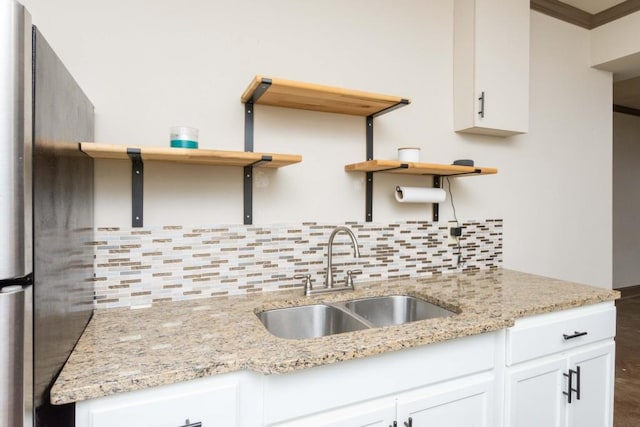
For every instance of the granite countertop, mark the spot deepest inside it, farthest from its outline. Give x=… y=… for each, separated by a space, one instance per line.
x=130 y=349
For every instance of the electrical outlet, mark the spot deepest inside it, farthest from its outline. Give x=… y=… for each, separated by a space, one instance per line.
x=451 y=239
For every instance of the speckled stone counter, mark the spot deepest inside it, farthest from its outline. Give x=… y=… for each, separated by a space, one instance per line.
x=130 y=349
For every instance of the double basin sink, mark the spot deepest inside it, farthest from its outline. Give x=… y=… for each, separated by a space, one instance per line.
x=317 y=320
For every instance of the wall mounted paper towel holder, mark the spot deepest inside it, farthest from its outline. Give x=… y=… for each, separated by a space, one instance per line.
x=437 y=171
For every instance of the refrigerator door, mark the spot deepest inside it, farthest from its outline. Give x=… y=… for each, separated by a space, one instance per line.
x=12 y=314
x=63 y=224
x=15 y=141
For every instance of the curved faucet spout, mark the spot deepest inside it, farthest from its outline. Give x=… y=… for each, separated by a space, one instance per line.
x=356 y=251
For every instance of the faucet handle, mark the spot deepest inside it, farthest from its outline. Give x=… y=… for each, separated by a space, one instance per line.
x=308 y=282
x=350 y=274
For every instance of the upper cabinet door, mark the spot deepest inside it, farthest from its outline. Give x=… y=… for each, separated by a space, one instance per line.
x=491 y=67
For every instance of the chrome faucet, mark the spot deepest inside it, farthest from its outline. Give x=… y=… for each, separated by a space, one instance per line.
x=309 y=289
x=356 y=253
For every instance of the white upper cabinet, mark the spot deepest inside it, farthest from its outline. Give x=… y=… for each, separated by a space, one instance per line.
x=491 y=67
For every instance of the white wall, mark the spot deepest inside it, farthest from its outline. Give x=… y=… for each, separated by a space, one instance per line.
x=149 y=65
x=615 y=47
x=626 y=200
x=557 y=179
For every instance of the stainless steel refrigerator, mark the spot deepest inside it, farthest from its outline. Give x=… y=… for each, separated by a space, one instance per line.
x=46 y=221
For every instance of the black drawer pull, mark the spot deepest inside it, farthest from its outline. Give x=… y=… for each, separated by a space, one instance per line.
x=576 y=334
x=190 y=424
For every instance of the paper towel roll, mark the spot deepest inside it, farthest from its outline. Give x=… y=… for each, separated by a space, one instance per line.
x=420 y=195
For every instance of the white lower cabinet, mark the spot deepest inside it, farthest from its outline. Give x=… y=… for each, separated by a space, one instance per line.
x=461 y=403
x=596 y=382
x=207 y=402
x=534 y=394
x=464 y=403
x=537 y=392
x=438 y=382
x=570 y=381
x=376 y=413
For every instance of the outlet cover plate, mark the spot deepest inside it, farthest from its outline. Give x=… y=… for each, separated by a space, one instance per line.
x=451 y=240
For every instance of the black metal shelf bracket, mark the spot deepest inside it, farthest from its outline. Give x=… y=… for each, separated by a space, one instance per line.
x=264 y=159
x=137 y=187
x=475 y=171
x=395 y=106
x=264 y=86
x=247 y=186
x=368 y=217
x=248 y=194
x=369 y=155
x=402 y=166
x=369 y=193
x=369 y=197
x=248 y=126
x=247 y=179
x=437 y=183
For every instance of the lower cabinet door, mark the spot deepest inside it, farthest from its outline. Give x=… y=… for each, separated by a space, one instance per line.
x=594 y=408
x=464 y=403
x=533 y=395
x=376 y=413
x=536 y=392
x=170 y=406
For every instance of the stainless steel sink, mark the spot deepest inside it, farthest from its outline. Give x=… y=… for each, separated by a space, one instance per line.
x=395 y=309
x=309 y=321
x=318 y=320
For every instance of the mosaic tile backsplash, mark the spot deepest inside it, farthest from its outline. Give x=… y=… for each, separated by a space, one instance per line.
x=140 y=266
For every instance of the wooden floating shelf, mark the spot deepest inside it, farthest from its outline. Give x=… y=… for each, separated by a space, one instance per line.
x=397 y=167
x=191 y=156
x=314 y=97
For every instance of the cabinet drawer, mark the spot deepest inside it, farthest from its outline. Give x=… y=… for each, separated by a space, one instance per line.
x=538 y=336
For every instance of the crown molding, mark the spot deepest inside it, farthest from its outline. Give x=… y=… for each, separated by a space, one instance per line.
x=573 y=15
x=625 y=110
x=563 y=11
x=616 y=12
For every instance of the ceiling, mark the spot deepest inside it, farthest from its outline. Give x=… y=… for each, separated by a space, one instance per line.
x=593 y=6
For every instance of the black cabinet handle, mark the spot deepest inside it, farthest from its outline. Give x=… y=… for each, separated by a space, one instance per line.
x=570 y=388
x=577 y=371
x=576 y=334
x=187 y=423
x=408 y=424
x=481 y=99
